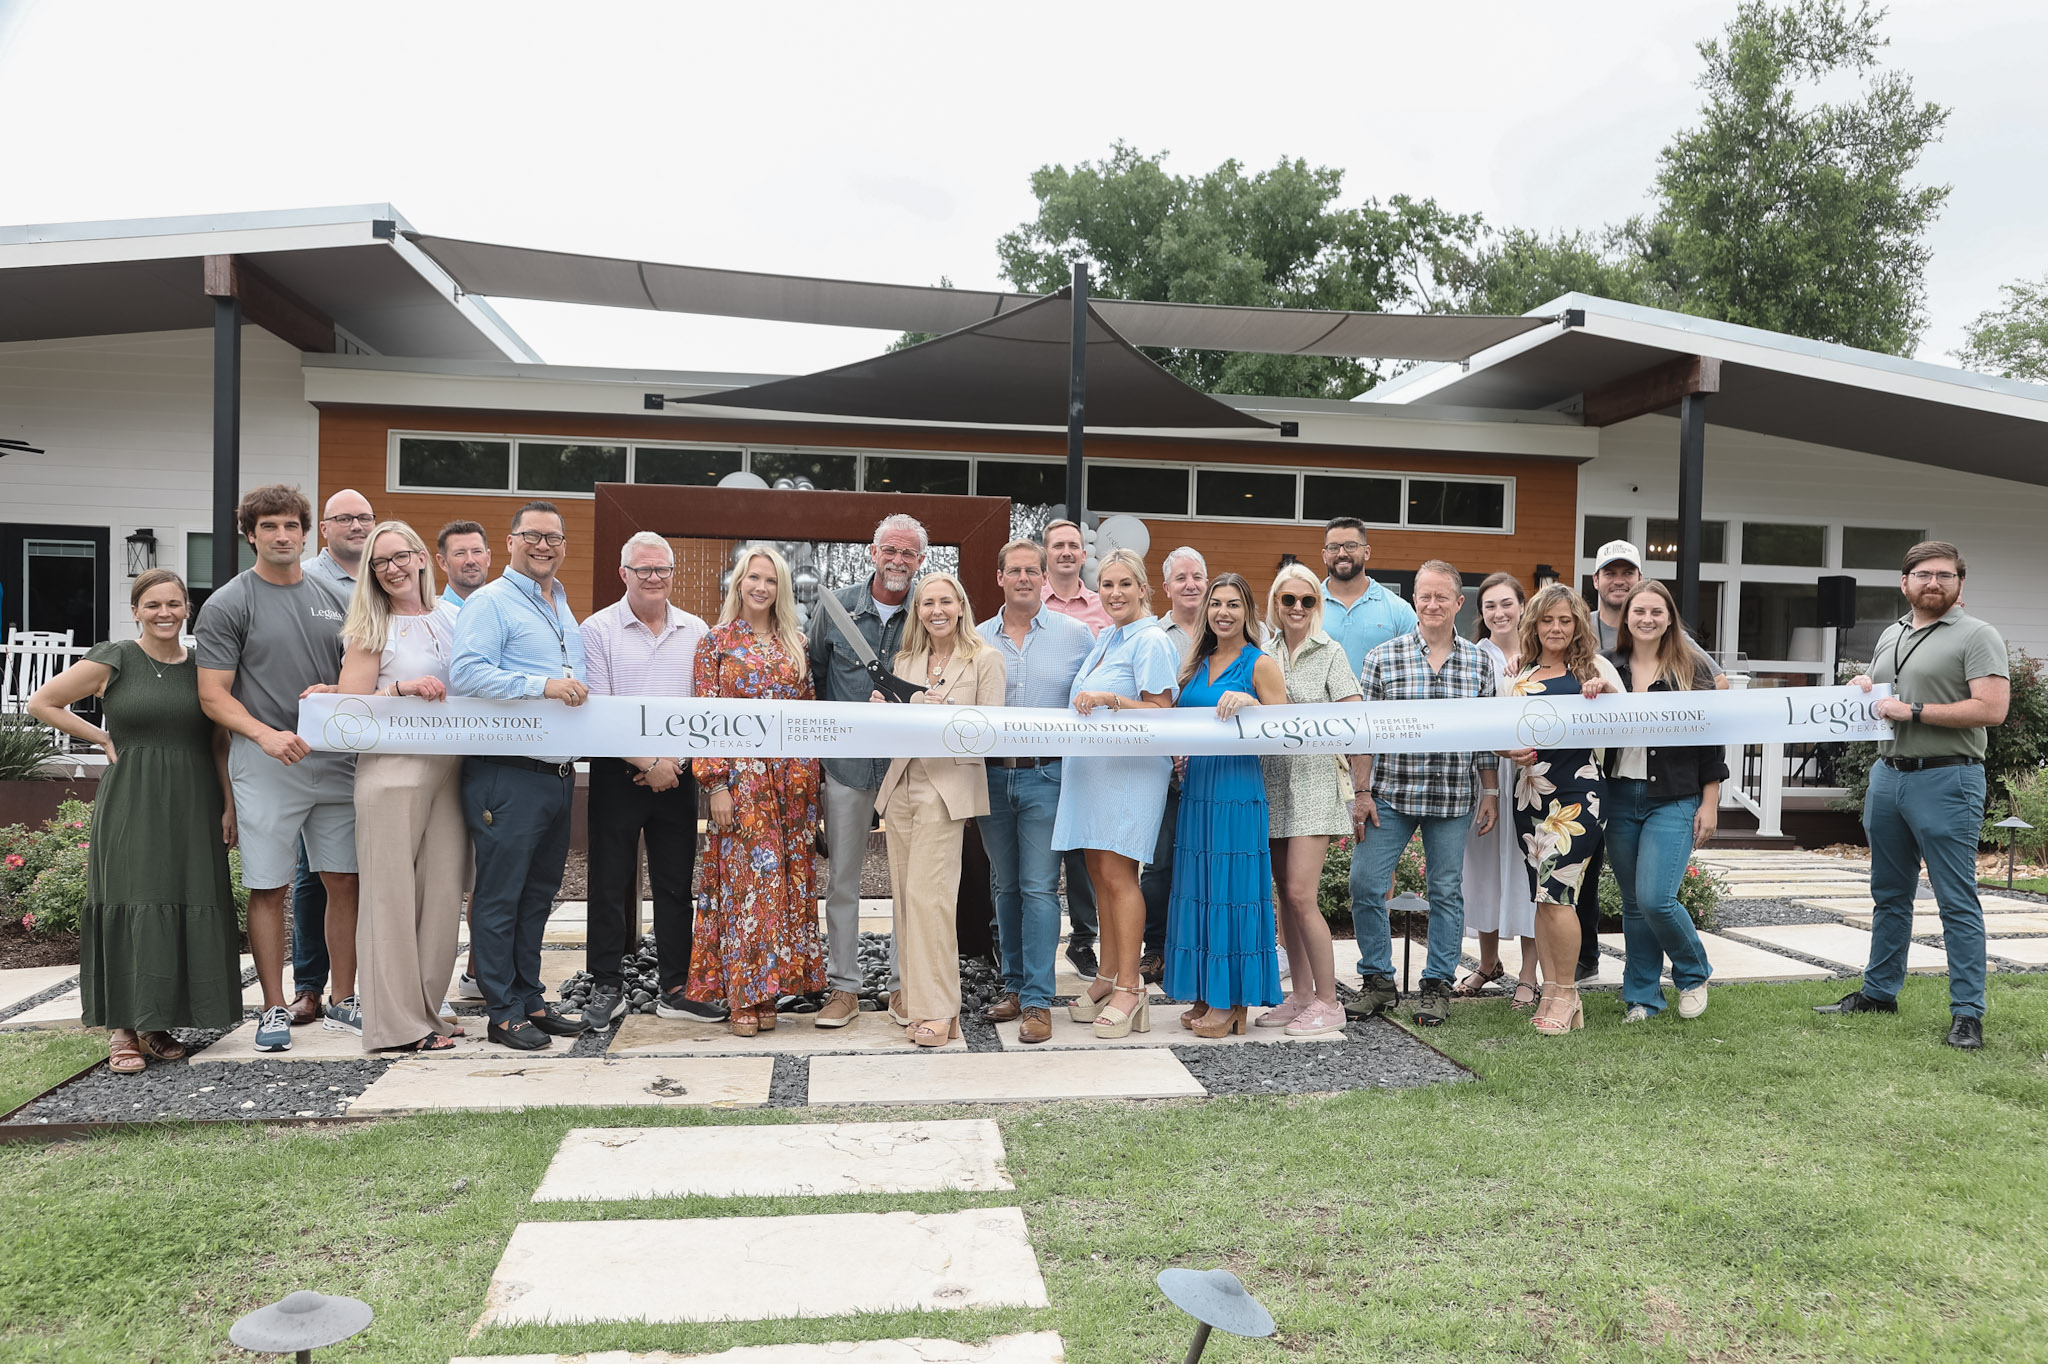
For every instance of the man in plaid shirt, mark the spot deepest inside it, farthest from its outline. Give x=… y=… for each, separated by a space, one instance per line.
x=1401 y=793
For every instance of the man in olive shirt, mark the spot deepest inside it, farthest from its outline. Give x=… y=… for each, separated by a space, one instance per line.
x=1949 y=674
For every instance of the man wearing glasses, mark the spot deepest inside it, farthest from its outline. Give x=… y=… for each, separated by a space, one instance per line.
x=879 y=610
x=345 y=526
x=516 y=639
x=1950 y=678
x=1358 y=613
x=642 y=645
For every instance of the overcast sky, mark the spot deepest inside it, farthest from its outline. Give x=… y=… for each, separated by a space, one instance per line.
x=895 y=141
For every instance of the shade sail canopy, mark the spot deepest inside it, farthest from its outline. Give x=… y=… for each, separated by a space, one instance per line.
x=563 y=277
x=1005 y=371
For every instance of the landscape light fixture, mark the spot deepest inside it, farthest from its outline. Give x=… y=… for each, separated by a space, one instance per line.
x=1214 y=1298
x=141 y=552
x=2015 y=824
x=1407 y=902
x=300 y=1324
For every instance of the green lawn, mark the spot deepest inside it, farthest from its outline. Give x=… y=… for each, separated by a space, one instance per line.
x=1762 y=1184
x=2037 y=884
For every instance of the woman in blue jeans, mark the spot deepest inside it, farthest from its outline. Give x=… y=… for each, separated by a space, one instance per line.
x=1661 y=804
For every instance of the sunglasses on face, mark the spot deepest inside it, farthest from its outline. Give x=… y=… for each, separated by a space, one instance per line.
x=1290 y=600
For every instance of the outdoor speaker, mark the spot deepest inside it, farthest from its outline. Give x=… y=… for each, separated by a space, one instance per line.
x=1837 y=609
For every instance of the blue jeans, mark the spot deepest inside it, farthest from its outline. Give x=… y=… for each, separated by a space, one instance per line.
x=1156 y=881
x=1650 y=842
x=1372 y=871
x=309 y=927
x=1933 y=814
x=1017 y=835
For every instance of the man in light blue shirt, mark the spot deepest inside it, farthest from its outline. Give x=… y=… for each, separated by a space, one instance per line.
x=465 y=558
x=1358 y=613
x=1041 y=650
x=517 y=639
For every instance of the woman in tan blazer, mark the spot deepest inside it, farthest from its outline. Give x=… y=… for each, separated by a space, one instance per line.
x=926 y=803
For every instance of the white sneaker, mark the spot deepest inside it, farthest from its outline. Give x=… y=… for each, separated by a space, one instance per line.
x=467 y=987
x=1636 y=1014
x=1692 y=1003
x=447 y=1010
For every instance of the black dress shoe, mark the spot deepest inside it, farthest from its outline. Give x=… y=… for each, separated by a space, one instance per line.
x=1083 y=957
x=521 y=1036
x=550 y=1020
x=676 y=1004
x=1966 y=1034
x=606 y=1004
x=1856 y=1002
x=1152 y=968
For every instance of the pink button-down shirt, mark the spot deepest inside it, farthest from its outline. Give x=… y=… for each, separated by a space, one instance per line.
x=622 y=657
x=1084 y=606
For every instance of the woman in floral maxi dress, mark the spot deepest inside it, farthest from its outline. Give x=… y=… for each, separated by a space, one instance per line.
x=757 y=932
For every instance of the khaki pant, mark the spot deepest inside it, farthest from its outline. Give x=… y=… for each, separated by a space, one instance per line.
x=924 y=873
x=413 y=851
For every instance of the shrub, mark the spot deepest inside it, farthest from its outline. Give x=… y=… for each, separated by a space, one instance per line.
x=1333 y=891
x=56 y=897
x=26 y=854
x=2028 y=800
x=2013 y=752
x=43 y=872
x=1699 y=893
x=26 y=745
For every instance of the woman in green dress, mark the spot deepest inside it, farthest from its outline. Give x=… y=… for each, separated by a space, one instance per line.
x=157 y=939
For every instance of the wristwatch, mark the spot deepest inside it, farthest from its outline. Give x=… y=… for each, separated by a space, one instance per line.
x=1917 y=707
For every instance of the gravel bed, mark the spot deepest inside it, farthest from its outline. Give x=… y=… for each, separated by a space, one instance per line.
x=1373 y=1055
x=790 y=1085
x=177 y=1089
x=1758 y=913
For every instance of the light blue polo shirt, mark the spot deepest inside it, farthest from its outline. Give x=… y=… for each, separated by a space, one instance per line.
x=1377 y=617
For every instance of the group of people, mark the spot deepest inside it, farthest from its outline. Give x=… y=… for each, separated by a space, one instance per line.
x=1199 y=873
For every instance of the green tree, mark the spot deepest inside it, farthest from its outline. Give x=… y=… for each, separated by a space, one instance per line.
x=1277 y=238
x=2011 y=340
x=1794 y=214
x=1517 y=271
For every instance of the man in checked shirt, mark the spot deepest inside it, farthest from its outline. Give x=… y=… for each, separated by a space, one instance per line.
x=1401 y=793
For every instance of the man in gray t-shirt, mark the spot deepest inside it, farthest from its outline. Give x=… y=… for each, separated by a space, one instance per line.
x=263 y=640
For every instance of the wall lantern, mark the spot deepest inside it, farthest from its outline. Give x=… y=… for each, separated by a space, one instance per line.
x=141 y=552
x=1545 y=576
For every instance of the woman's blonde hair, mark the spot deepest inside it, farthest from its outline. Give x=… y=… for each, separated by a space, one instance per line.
x=782 y=615
x=368 y=624
x=1297 y=569
x=1675 y=662
x=917 y=641
x=1580 y=653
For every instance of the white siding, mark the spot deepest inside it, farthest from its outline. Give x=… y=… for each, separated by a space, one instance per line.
x=127 y=426
x=2001 y=526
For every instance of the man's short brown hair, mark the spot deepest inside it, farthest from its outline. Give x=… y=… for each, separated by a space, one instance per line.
x=544 y=508
x=272 y=499
x=1448 y=570
x=1934 y=549
x=458 y=528
x=1052 y=526
x=1003 y=554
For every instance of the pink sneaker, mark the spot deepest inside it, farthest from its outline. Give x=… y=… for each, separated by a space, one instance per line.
x=1317 y=1019
x=1285 y=1012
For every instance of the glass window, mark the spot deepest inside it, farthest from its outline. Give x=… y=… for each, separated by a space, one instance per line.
x=1376 y=501
x=1442 y=502
x=199 y=562
x=1240 y=493
x=1141 y=490
x=1780 y=543
x=1601 y=529
x=550 y=468
x=1876 y=547
x=1776 y=620
x=435 y=462
x=831 y=473
x=1876 y=609
x=1663 y=541
x=906 y=474
x=1033 y=484
x=698 y=468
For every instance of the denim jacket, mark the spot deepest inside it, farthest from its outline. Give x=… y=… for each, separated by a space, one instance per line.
x=840 y=676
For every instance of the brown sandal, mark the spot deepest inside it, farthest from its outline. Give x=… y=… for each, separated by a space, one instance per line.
x=935 y=1032
x=162 y=1046
x=1474 y=985
x=742 y=1023
x=124 y=1052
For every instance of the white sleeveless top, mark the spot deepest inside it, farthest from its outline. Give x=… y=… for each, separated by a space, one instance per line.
x=417 y=646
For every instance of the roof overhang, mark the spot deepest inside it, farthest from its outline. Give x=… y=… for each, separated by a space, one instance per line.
x=1769 y=383
x=355 y=264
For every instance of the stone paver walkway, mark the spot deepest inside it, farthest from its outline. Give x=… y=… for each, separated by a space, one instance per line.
x=1846 y=947
x=507 y=1081
x=651 y=1035
x=1039 y=1347
x=26 y=982
x=1001 y=1077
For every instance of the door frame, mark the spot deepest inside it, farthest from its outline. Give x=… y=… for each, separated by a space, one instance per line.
x=14 y=578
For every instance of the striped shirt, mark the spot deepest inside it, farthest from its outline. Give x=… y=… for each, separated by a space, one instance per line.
x=622 y=657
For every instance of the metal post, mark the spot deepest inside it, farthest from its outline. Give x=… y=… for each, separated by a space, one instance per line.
x=227 y=436
x=1077 y=394
x=1692 y=458
x=1201 y=1341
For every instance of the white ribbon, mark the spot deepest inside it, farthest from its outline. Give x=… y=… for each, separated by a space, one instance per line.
x=688 y=727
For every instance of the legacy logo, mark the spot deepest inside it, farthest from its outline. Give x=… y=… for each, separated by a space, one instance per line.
x=352 y=726
x=1331 y=733
x=722 y=731
x=969 y=733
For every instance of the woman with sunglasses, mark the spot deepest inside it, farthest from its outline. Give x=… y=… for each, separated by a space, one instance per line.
x=1305 y=794
x=411 y=846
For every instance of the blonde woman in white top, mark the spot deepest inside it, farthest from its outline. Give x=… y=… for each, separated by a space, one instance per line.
x=1498 y=903
x=411 y=846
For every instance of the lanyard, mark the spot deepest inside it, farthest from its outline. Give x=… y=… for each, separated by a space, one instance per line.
x=561 y=636
x=1899 y=664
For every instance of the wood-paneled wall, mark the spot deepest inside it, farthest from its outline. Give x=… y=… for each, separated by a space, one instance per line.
x=355 y=444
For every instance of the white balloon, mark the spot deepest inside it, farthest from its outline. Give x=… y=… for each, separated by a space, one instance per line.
x=740 y=478
x=784 y=484
x=1124 y=532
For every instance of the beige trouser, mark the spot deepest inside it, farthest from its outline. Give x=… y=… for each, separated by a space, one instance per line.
x=413 y=852
x=924 y=873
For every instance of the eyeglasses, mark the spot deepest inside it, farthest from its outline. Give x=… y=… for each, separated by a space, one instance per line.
x=1290 y=601
x=1343 y=546
x=405 y=558
x=361 y=519
x=908 y=556
x=1433 y=599
x=1921 y=575
x=648 y=575
x=539 y=537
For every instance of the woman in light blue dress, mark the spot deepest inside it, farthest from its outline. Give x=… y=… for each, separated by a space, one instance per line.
x=1110 y=807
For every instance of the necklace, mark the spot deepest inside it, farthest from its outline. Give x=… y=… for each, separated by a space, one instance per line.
x=935 y=669
x=155 y=666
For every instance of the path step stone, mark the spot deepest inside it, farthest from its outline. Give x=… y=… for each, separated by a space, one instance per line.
x=1784 y=890
x=317 y=1042
x=1067 y=1035
x=1863 y=904
x=1847 y=947
x=1735 y=963
x=652 y=1035
x=762 y=1268
x=822 y=1159
x=1039 y=1347
x=24 y=982
x=1001 y=1077
x=503 y=1082
x=2030 y=951
x=62 y=1012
